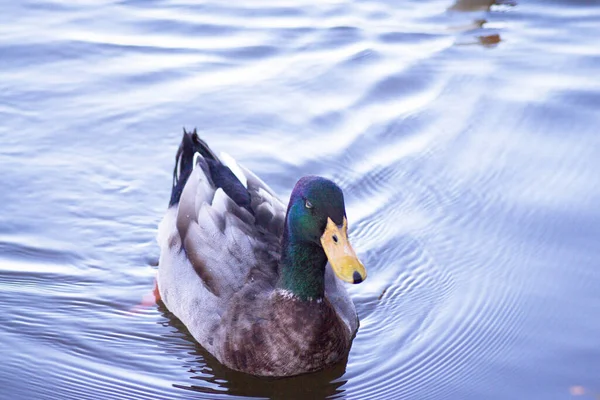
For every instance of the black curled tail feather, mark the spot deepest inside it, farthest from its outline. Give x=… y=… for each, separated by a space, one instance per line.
x=184 y=162
x=220 y=174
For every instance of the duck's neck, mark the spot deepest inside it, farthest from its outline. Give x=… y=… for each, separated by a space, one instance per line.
x=302 y=268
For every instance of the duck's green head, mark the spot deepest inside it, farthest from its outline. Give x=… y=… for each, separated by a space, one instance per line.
x=316 y=214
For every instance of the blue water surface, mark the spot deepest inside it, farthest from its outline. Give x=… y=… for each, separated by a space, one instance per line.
x=465 y=138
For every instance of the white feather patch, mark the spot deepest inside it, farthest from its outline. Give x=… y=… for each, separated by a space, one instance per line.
x=195 y=160
x=178 y=164
x=235 y=168
x=220 y=201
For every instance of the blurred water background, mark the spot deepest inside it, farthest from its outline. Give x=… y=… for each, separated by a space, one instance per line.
x=465 y=137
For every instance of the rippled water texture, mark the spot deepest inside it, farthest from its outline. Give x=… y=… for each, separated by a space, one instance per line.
x=465 y=137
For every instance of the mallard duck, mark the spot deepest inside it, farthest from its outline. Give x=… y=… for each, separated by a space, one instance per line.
x=250 y=280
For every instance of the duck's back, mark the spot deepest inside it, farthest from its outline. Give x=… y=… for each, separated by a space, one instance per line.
x=211 y=238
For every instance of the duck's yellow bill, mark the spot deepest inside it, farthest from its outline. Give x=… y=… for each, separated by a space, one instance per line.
x=340 y=254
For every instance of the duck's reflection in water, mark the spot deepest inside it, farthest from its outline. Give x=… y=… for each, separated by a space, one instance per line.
x=487 y=38
x=479 y=5
x=218 y=379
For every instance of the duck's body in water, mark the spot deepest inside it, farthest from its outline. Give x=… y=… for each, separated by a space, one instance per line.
x=255 y=284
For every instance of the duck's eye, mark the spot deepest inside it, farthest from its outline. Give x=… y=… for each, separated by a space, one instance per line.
x=308 y=204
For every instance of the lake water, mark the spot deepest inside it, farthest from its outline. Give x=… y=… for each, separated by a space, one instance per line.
x=465 y=137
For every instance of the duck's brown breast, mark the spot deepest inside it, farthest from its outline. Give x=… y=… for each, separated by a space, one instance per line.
x=280 y=335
